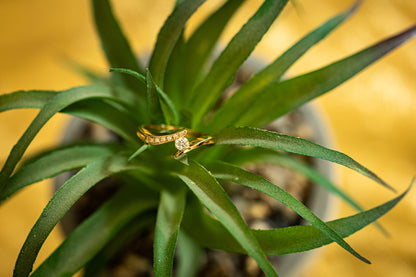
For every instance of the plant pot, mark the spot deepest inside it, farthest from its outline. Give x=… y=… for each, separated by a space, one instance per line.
x=304 y=122
x=315 y=197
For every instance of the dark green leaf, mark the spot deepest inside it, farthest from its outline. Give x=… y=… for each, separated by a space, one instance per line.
x=240 y=176
x=59 y=102
x=96 y=231
x=212 y=233
x=55 y=162
x=24 y=99
x=171 y=114
x=222 y=72
x=201 y=44
x=256 y=155
x=213 y=196
x=287 y=95
x=168 y=36
x=169 y=217
x=117 y=120
x=114 y=43
x=175 y=71
x=189 y=253
x=238 y=104
x=276 y=141
x=130 y=72
x=123 y=238
x=153 y=105
x=60 y=203
x=142 y=148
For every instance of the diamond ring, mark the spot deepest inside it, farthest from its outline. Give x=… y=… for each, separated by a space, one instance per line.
x=185 y=139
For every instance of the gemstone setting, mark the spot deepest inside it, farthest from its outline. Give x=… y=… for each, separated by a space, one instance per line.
x=181 y=143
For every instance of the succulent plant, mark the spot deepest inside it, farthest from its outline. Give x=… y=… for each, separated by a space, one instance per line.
x=180 y=87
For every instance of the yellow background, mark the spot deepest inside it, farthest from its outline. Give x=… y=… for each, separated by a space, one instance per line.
x=372 y=116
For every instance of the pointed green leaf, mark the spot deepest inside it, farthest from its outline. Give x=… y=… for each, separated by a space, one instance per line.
x=153 y=105
x=212 y=233
x=168 y=36
x=61 y=202
x=117 y=119
x=175 y=70
x=169 y=217
x=256 y=155
x=189 y=253
x=276 y=141
x=239 y=102
x=114 y=43
x=141 y=149
x=55 y=162
x=172 y=113
x=201 y=44
x=287 y=95
x=240 y=176
x=225 y=67
x=59 y=102
x=130 y=72
x=25 y=99
x=213 y=196
x=96 y=231
x=124 y=237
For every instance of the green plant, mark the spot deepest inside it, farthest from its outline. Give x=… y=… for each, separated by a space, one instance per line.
x=171 y=193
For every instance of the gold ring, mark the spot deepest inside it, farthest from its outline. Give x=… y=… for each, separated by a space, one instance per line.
x=156 y=134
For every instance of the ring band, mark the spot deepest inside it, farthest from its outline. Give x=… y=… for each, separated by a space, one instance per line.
x=155 y=134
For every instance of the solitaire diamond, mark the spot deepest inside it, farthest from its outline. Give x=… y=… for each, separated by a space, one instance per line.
x=181 y=143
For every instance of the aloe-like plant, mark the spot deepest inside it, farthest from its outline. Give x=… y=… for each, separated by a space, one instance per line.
x=179 y=87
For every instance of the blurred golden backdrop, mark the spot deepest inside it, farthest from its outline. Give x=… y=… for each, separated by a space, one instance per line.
x=372 y=116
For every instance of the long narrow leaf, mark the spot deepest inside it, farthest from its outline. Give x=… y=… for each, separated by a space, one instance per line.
x=169 y=217
x=92 y=235
x=55 y=162
x=222 y=72
x=168 y=36
x=276 y=141
x=59 y=102
x=213 y=196
x=29 y=99
x=200 y=45
x=189 y=252
x=124 y=237
x=175 y=70
x=237 y=105
x=153 y=104
x=283 y=97
x=212 y=233
x=172 y=113
x=95 y=110
x=118 y=120
x=240 y=176
x=114 y=43
x=256 y=155
x=60 y=203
